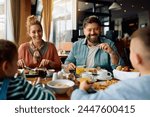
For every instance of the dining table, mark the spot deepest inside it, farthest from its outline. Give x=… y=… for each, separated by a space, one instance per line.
x=98 y=85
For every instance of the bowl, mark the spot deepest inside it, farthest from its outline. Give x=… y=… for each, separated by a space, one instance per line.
x=60 y=86
x=123 y=75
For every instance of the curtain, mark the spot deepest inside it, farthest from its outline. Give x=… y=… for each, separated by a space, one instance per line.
x=47 y=17
x=15 y=12
x=25 y=11
x=9 y=23
x=16 y=15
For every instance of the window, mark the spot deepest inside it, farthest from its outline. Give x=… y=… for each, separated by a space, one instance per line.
x=106 y=28
x=39 y=8
x=62 y=22
x=2 y=20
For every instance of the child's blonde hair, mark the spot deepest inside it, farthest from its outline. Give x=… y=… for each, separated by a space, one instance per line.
x=143 y=34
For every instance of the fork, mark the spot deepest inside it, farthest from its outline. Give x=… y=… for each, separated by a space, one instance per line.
x=26 y=67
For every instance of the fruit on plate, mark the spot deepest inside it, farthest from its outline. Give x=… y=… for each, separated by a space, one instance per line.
x=125 y=68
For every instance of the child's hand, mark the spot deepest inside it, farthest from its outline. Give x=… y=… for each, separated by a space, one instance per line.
x=85 y=85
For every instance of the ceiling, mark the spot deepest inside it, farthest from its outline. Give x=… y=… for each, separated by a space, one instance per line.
x=130 y=8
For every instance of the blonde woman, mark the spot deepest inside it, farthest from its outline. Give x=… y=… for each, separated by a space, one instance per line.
x=37 y=52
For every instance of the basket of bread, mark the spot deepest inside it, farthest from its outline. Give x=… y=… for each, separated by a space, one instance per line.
x=125 y=72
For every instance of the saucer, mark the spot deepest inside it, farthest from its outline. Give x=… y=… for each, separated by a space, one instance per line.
x=103 y=78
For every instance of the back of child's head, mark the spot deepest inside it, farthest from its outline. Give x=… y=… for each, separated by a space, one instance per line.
x=8 y=50
x=143 y=35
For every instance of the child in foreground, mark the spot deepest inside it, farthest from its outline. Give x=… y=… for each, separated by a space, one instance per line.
x=16 y=88
x=132 y=89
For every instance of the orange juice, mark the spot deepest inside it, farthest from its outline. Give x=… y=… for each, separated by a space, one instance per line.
x=79 y=70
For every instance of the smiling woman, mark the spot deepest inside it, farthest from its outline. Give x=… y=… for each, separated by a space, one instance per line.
x=37 y=52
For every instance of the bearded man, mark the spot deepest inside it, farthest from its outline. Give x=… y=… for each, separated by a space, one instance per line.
x=93 y=51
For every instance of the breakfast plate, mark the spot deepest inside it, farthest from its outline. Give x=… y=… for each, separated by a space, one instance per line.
x=31 y=73
x=97 y=86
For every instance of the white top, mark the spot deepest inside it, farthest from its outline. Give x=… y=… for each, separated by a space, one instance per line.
x=91 y=56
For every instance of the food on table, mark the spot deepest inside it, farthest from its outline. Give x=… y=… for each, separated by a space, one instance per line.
x=125 y=68
x=60 y=85
x=103 y=85
x=30 y=72
x=26 y=71
x=93 y=70
x=119 y=68
x=71 y=76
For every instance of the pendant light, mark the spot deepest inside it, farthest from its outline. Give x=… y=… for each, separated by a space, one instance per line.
x=115 y=6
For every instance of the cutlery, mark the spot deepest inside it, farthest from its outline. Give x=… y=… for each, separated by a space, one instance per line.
x=26 y=67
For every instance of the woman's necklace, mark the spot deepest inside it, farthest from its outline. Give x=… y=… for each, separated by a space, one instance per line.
x=36 y=52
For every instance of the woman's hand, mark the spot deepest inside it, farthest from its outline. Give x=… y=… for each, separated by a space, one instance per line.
x=44 y=63
x=21 y=63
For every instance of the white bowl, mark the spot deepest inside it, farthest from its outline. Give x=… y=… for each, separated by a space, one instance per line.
x=58 y=86
x=122 y=75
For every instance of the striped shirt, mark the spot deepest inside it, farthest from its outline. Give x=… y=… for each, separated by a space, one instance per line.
x=20 y=89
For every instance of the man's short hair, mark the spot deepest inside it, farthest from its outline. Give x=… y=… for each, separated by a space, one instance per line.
x=91 y=19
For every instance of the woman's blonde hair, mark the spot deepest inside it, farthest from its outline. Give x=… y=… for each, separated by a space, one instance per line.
x=32 y=20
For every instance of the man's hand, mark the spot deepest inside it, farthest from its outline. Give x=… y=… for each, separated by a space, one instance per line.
x=71 y=66
x=114 y=56
x=106 y=47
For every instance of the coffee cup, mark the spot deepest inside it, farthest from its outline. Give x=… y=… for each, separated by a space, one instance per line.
x=55 y=76
x=86 y=75
x=60 y=75
x=104 y=74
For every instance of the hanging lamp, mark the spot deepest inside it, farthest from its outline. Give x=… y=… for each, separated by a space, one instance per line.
x=115 y=6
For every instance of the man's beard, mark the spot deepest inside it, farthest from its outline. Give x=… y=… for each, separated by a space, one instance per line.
x=94 y=40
